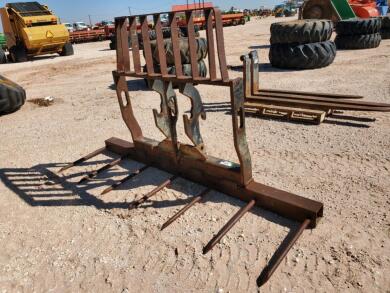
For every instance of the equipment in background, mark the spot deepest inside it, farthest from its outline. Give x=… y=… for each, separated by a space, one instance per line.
x=31 y=29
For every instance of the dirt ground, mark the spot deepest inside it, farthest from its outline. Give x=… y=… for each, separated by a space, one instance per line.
x=56 y=237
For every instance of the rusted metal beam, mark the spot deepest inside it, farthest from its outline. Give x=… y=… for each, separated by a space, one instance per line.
x=210 y=44
x=221 y=175
x=228 y=226
x=281 y=253
x=195 y=200
x=326 y=105
x=176 y=44
x=322 y=95
x=160 y=44
x=135 y=45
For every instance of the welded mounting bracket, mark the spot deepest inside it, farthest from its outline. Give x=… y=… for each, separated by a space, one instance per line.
x=190 y=161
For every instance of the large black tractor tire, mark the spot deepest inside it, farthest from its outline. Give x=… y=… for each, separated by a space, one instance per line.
x=187 y=70
x=18 y=53
x=358 y=26
x=301 y=31
x=113 y=45
x=67 y=50
x=385 y=34
x=353 y=42
x=201 y=50
x=183 y=32
x=385 y=22
x=3 y=57
x=304 y=56
x=12 y=96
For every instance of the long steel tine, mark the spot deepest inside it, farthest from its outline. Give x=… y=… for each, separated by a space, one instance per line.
x=280 y=254
x=322 y=95
x=220 y=44
x=315 y=98
x=304 y=103
x=147 y=48
x=83 y=159
x=176 y=44
x=123 y=180
x=192 y=44
x=135 y=45
x=228 y=226
x=162 y=57
x=210 y=43
x=137 y=202
x=195 y=200
x=100 y=170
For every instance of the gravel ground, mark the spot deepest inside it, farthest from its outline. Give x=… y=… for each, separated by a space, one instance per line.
x=59 y=238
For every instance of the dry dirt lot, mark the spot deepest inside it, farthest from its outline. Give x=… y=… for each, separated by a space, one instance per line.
x=58 y=238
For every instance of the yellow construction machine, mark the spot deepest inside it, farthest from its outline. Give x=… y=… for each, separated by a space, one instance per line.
x=31 y=29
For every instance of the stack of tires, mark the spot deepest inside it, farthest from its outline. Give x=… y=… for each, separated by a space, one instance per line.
x=201 y=53
x=152 y=36
x=3 y=56
x=302 y=44
x=358 y=33
x=385 y=28
x=12 y=96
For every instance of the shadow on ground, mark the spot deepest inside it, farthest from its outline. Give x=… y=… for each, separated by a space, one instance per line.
x=41 y=185
x=44 y=185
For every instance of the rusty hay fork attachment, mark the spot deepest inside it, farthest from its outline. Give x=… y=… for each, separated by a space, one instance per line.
x=191 y=161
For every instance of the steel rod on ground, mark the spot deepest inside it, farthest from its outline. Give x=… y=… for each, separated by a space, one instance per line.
x=136 y=203
x=228 y=226
x=281 y=253
x=195 y=200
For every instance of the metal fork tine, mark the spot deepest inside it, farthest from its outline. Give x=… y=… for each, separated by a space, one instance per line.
x=83 y=159
x=195 y=200
x=135 y=44
x=192 y=44
x=175 y=44
x=221 y=45
x=160 y=44
x=228 y=226
x=147 y=48
x=100 y=170
x=210 y=43
x=281 y=253
x=137 y=202
x=119 y=183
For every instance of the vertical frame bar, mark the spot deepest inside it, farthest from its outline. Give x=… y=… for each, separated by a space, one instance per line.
x=135 y=44
x=160 y=44
x=247 y=70
x=239 y=131
x=254 y=71
x=147 y=48
x=176 y=44
x=122 y=52
x=220 y=44
x=192 y=44
x=210 y=44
